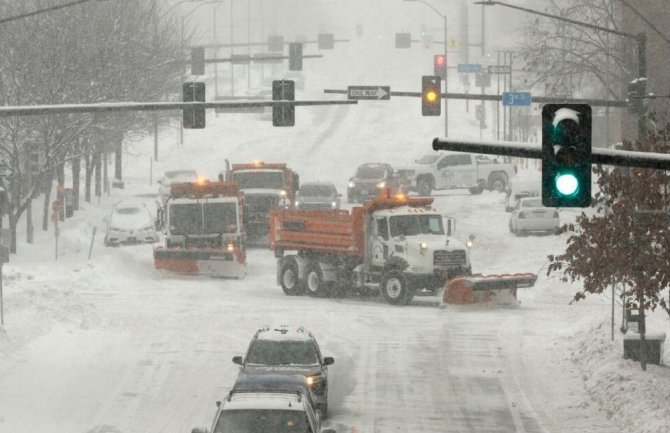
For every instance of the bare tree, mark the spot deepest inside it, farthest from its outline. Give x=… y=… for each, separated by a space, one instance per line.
x=95 y=52
x=564 y=56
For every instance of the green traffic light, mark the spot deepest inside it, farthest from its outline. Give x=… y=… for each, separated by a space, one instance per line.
x=567 y=184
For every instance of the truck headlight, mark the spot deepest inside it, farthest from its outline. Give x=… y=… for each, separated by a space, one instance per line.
x=313 y=381
x=423 y=247
x=352 y=184
x=297 y=203
x=381 y=184
x=333 y=204
x=282 y=193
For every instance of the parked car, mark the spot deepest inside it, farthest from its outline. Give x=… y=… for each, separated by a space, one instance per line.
x=529 y=215
x=291 y=351
x=130 y=223
x=317 y=195
x=276 y=412
x=174 y=176
x=369 y=179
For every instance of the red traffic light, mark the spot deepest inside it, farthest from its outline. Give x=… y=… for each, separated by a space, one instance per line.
x=440 y=60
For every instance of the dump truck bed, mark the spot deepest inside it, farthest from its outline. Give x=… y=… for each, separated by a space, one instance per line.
x=326 y=231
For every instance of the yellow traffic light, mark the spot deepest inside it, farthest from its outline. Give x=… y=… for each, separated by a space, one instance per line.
x=431 y=96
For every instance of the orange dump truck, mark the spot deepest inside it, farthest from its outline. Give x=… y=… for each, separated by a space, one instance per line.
x=204 y=235
x=396 y=245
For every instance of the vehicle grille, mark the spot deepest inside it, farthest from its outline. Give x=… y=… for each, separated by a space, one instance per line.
x=260 y=203
x=448 y=259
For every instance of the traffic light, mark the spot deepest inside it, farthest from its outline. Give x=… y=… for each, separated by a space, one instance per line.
x=295 y=56
x=431 y=95
x=326 y=41
x=566 y=155
x=283 y=114
x=403 y=40
x=440 y=65
x=198 y=61
x=194 y=117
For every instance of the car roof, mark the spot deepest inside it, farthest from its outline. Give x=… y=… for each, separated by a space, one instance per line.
x=375 y=165
x=171 y=173
x=284 y=333
x=264 y=400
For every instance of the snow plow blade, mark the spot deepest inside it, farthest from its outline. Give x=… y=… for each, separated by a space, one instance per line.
x=211 y=262
x=479 y=288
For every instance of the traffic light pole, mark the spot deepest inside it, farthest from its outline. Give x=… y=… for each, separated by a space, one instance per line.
x=446 y=81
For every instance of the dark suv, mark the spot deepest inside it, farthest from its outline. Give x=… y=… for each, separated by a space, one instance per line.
x=369 y=179
x=291 y=351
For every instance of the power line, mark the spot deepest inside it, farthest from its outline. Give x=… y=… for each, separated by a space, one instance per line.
x=41 y=11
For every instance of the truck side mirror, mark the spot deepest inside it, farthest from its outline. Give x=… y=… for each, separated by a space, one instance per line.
x=328 y=360
x=237 y=360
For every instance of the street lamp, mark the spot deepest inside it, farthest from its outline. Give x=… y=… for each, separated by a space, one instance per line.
x=640 y=38
x=444 y=19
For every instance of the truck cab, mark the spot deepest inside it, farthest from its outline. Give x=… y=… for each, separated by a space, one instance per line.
x=415 y=242
x=204 y=234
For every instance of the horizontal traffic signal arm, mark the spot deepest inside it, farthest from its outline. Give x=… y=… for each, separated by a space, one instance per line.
x=242 y=58
x=538 y=99
x=31 y=110
x=263 y=44
x=622 y=158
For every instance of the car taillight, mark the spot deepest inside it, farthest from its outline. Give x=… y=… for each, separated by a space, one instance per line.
x=555 y=214
x=521 y=215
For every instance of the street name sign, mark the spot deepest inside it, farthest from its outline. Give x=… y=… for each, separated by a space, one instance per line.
x=499 y=69
x=378 y=93
x=515 y=99
x=469 y=67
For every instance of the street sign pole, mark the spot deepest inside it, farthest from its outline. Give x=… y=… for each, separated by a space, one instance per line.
x=446 y=81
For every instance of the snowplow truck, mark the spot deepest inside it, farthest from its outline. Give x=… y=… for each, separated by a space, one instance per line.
x=396 y=245
x=266 y=186
x=204 y=235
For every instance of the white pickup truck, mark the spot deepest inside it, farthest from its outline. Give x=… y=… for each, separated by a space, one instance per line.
x=451 y=170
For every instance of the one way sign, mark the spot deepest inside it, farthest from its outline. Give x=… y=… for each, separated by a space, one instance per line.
x=369 y=92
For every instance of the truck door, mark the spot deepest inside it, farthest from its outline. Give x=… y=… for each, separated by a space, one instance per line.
x=379 y=250
x=445 y=172
x=465 y=168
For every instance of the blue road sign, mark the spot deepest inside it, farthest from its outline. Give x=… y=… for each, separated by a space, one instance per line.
x=516 y=98
x=470 y=67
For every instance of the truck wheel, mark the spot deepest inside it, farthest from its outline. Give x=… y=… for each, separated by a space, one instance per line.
x=314 y=283
x=474 y=190
x=394 y=287
x=290 y=281
x=424 y=187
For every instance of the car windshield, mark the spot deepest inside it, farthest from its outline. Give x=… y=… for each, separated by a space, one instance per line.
x=412 y=225
x=260 y=179
x=316 y=191
x=262 y=421
x=285 y=352
x=428 y=159
x=532 y=203
x=128 y=210
x=370 y=172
